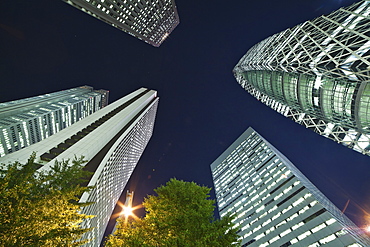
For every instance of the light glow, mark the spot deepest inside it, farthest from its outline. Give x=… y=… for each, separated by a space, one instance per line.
x=127 y=211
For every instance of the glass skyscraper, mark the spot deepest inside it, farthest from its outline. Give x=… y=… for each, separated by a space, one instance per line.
x=317 y=73
x=274 y=203
x=27 y=121
x=112 y=140
x=148 y=20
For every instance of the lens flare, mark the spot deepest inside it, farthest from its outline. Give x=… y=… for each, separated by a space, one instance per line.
x=127 y=211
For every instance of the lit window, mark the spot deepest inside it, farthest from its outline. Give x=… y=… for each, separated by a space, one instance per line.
x=294 y=240
x=292 y=217
x=318 y=228
x=266 y=222
x=316 y=244
x=274 y=239
x=285 y=232
x=260 y=236
x=327 y=239
x=354 y=245
x=287 y=209
x=331 y=221
x=281 y=223
x=340 y=233
x=297 y=225
x=276 y=216
x=298 y=201
x=304 y=235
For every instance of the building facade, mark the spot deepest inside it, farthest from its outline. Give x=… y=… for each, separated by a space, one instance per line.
x=148 y=20
x=317 y=73
x=27 y=121
x=273 y=202
x=112 y=140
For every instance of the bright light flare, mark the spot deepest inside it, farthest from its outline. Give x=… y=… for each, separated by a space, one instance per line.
x=127 y=211
x=367 y=229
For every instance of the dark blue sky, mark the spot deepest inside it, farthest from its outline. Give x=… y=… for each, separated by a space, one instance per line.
x=47 y=45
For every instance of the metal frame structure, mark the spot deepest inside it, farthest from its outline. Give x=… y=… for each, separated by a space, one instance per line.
x=317 y=73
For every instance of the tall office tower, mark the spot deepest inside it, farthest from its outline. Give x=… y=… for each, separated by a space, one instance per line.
x=317 y=73
x=148 y=20
x=274 y=203
x=27 y=121
x=112 y=140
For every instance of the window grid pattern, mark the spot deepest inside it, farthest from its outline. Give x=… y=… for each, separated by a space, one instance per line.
x=115 y=175
x=28 y=121
x=274 y=203
x=320 y=71
x=149 y=20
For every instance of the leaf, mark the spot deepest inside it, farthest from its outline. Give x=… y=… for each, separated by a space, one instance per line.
x=39 y=208
x=180 y=215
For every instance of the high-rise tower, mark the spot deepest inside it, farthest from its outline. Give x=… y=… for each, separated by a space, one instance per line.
x=317 y=73
x=274 y=203
x=112 y=140
x=148 y=20
x=27 y=121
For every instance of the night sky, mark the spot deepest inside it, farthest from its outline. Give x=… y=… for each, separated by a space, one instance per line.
x=47 y=46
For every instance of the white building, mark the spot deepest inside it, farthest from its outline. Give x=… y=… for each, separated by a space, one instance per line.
x=27 y=121
x=150 y=21
x=112 y=140
x=274 y=203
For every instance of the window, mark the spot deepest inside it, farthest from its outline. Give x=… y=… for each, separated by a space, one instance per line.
x=304 y=235
x=327 y=239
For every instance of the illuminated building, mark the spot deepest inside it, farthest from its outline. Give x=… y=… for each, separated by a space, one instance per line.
x=317 y=73
x=273 y=202
x=112 y=140
x=27 y=121
x=148 y=20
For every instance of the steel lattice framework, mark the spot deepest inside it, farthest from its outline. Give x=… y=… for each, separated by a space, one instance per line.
x=317 y=73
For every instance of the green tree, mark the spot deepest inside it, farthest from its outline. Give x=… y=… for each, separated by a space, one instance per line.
x=181 y=215
x=41 y=208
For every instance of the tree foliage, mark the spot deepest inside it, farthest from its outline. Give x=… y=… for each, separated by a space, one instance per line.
x=181 y=215
x=41 y=208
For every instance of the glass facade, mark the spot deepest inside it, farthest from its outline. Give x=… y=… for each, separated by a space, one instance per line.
x=273 y=202
x=319 y=71
x=27 y=121
x=148 y=20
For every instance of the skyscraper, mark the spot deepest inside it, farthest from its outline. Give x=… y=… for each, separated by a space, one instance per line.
x=27 y=121
x=112 y=140
x=317 y=73
x=274 y=203
x=148 y=20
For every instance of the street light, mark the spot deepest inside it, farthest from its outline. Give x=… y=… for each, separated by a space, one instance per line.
x=127 y=211
x=127 y=208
